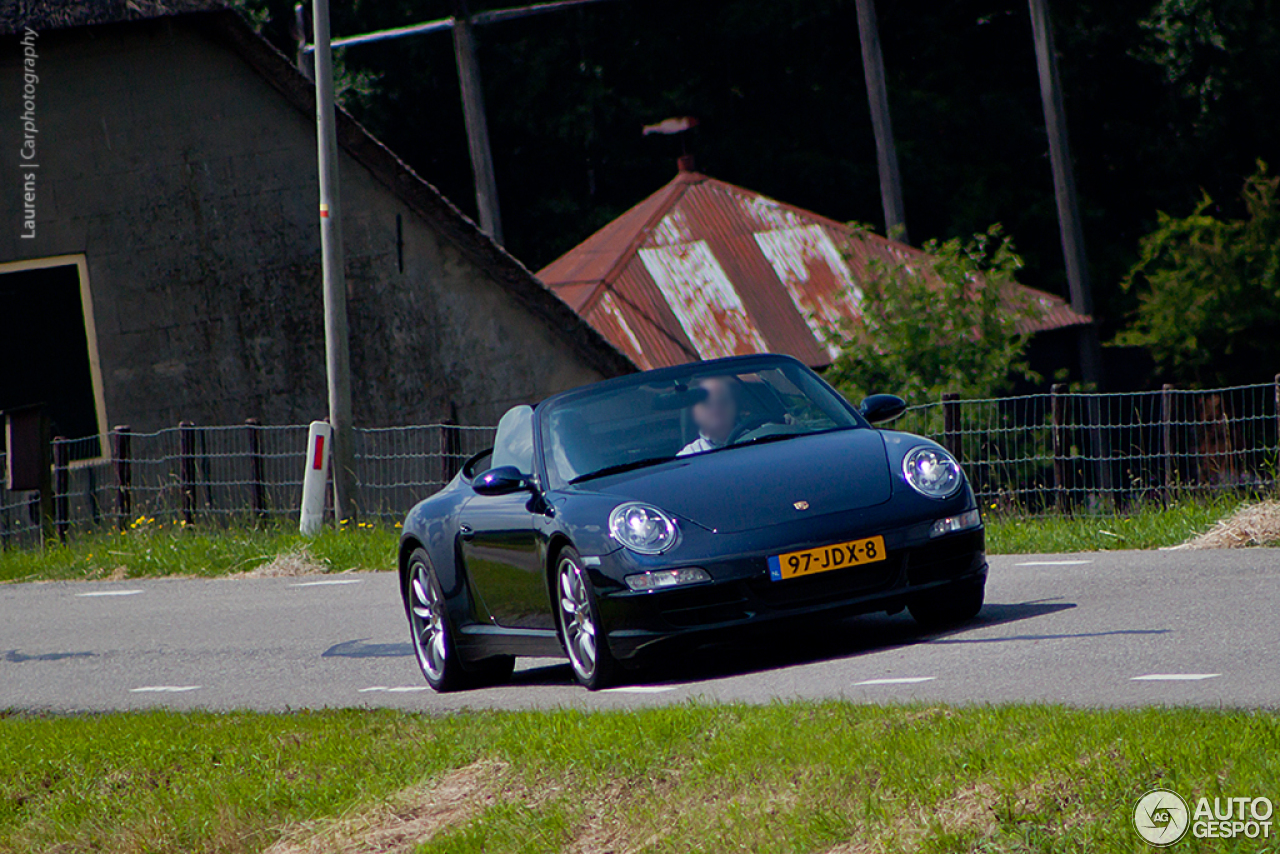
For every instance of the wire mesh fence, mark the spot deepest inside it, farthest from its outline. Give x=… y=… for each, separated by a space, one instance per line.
x=1068 y=452
x=219 y=475
x=1035 y=454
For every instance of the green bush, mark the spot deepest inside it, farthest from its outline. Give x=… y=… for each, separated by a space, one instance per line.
x=1209 y=291
x=950 y=325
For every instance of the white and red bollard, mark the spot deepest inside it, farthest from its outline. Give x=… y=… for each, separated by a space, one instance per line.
x=315 y=480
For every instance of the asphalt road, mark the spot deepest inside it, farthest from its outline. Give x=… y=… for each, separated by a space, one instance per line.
x=1104 y=629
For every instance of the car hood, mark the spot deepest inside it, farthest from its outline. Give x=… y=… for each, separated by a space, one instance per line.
x=754 y=486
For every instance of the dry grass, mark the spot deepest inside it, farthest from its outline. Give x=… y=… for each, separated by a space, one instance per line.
x=292 y=563
x=1253 y=525
x=405 y=820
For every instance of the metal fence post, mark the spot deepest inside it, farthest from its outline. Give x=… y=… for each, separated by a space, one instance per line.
x=48 y=527
x=1059 y=440
x=257 y=478
x=61 y=486
x=187 y=469
x=1166 y=439
x=951 y=423
x=122 y=451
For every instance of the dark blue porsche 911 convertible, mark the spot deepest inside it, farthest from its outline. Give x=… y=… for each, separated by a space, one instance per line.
x=673 y=506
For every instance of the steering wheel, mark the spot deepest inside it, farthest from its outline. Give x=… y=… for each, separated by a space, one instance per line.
x=744 y=430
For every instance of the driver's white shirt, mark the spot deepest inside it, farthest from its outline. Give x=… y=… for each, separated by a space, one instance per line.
x=700 y=444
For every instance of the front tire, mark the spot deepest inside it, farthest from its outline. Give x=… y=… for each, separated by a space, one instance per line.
x=581 y=633
x=949 y=605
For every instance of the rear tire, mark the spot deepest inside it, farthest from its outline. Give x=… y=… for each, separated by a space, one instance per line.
x=432 y=635
x=578 y=619
x=955 y=603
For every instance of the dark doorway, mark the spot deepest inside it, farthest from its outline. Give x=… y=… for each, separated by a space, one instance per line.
x=44 y=351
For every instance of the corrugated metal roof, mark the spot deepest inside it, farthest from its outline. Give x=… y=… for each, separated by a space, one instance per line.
x=703 y=269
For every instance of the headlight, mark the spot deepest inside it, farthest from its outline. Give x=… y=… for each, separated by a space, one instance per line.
x=933 y=473
x=642 y=528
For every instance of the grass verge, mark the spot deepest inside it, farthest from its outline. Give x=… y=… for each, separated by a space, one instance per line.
x=1148 y=527
x=150 y=549
x=799 y=777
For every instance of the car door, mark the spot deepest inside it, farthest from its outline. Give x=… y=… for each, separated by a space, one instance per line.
x=499 y=541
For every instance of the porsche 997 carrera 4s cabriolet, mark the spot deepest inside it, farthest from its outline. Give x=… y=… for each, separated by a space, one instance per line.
x=618 y=520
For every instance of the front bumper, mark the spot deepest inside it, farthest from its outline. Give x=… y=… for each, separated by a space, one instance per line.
x=743 y=596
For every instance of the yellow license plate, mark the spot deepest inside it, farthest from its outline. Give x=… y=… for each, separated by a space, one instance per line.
x=826 y=558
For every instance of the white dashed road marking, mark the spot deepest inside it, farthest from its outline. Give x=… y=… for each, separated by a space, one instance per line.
x=110 y=593
x=398 y=689
x=326 y=583
x=1053 y=563
x=164 y=689
x=641 y=689
x=1174 y=677
x=897 y=680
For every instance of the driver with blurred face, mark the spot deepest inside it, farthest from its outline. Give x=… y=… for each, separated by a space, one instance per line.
x=716 y=415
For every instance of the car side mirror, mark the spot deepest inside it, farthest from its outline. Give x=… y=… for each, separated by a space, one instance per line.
x=501 y=481
x=879 y=408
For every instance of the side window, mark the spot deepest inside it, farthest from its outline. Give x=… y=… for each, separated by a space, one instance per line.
x=513 y=446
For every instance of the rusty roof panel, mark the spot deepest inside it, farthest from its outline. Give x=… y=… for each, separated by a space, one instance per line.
x=703 y=269
x=704 y=300
x=805 y=259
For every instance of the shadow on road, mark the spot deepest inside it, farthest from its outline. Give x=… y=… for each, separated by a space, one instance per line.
x=786 y=647
x=844 y=639
x=791 y=647
x=13 y=656
x=359 y=649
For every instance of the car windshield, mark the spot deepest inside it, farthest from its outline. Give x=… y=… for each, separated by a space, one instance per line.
x=701 y=410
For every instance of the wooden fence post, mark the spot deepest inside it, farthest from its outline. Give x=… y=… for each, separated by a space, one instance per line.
x=1166 y=439
x=187 y=469
x=450 y=449
x=122 y=451
x=1057 y=435
x=61 y=487
x=257 y=477
x=951 y=423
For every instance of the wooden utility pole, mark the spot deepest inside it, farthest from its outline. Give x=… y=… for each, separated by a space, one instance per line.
x=1064 y=190
x=464 y=48
x=336 y=344
x=895 y=220
x=469 y=76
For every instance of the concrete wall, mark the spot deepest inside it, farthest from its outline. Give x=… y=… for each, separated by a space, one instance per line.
x=189 y=183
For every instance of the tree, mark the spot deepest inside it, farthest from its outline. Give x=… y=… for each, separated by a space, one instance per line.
x=1209 y=291
x=950 y=325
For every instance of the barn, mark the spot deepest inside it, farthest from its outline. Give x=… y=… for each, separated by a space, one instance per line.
x=160 y=254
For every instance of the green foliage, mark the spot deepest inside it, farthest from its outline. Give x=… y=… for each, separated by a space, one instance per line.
x=950 y=325
x=1147 y=526
x=1209 y=291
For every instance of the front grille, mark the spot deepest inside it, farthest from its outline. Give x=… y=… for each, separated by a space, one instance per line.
x=701 y=606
